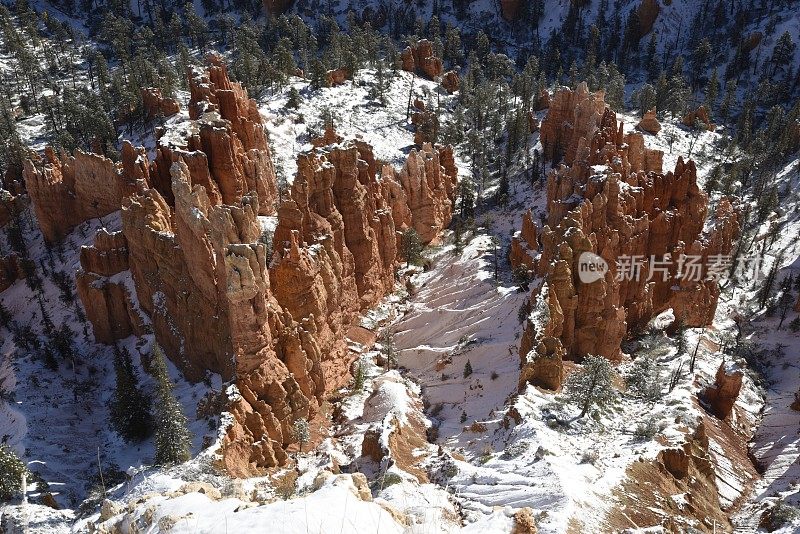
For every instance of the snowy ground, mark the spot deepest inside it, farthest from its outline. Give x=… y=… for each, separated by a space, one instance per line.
x=357 y=115
x=59 y=419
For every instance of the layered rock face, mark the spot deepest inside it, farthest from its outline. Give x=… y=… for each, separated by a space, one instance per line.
x=191 y=243
x=336 y=249
x=612 y=200
x=421 y=59
x=67 y=190
x=108 y=300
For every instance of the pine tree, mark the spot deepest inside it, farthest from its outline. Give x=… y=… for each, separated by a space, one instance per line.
x=643 y=380
x=467 y=369
x=293 y=100
x=11 y=471
x=359 y=377
x=783 y=52
x=412 y=246
x=173 y=440
x=301 y=432
x=712 y=92
x=785 y=303
x=130 y=405
x=591 y=385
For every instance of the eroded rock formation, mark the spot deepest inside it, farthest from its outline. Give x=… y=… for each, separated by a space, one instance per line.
x=510 y=9
x=108 y=300
x=11 y=205
x=648 y=12
x=699 y=118
x=649 y=123
x=451 y=81
x=420 y=58
x=156 y=104
x=11 y=270
x=722 y=394
x=191 y=250
x=68 y=190
x=612 y=201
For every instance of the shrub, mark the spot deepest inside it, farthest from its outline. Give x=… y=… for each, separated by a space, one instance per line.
x=515 y=450
x=646 y=430
x=11 y=471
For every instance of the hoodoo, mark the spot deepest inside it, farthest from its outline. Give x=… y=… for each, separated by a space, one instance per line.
x=611 y=198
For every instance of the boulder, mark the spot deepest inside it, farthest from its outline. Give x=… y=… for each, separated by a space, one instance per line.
x=156 y=104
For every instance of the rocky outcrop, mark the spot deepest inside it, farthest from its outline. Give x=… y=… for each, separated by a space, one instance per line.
x=419 y=58
x=649 y=123
x=614 y=203
x=524 y=243
x=11 y=270
x=648 y=12
x=699 y=118
x=573 y=115
x=451 y=81
x=11 y=205
x=722 y=395
x=68 y=190
x=191 y=250
x=524 y=521
x=510 y=9
x=336 y=77
x=107 y=299
x=277 y=7
x=155 y=104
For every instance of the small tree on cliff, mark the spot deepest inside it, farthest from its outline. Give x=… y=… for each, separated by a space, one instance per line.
x=130 y=406
x=302 y=433
x=591 y=385
x=412 y=246
x=173 y=439
x=11 y=471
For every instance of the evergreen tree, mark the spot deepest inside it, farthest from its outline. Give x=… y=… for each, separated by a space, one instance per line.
x=11 y=471
x=467 y=369
x=293 y=100
x=301 y=431
x=130 y=405
x=591 y=385
x=643 y=380
x=412 y=246
x=783 y=52
x=172 y=440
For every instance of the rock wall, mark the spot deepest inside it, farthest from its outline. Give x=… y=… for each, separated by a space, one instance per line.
x=336 y=249
x=107 y=299
x=67 y=190
x=612 y=201
x=272 y=322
